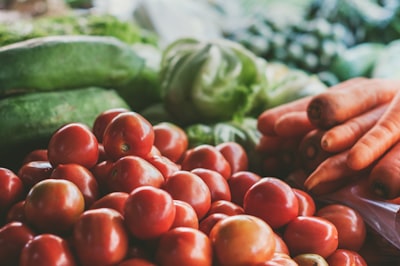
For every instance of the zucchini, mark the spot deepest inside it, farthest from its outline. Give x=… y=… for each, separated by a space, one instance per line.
x=28 y=120
x=66 y=62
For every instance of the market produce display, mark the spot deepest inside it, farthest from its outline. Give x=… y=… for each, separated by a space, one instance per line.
x=275 y=144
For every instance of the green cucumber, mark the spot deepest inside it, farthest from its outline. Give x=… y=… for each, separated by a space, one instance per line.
x=66 y=62
x=28 y=120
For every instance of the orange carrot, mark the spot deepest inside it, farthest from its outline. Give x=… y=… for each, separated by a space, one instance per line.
x=384 y=178
x=332 y=169
x=343 y=136
x=294 y=123
x=310 y=152
x=376 y=141
x=332 y=107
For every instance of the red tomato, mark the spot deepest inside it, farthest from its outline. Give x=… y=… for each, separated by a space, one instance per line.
x=101 y=172
x=280 y=245
x=225 y=207
x=73 y=143
x=164 y=165
x=307 y=205
x=171 y=140
x=184 y=246
x=11 y=190
x=186 y=186
x=36 y=155
x=279 y=259
x=13 y=237
x=34 y=171
x=206 y=156
x=242 y=240
x=48 y=215
x=185 y=215
x=81 y=177
x=272 y=200
x=103 y=119
x=16 y=212
x=217 y=184
x=100 y=237
x=311 y=234
x=149 y=212
x=235 y=154
x=113 y=200
x=128 y=133
x=349 y=224
x=345 y=257
x=208 y=222
x=47 y=249
x=239 y=183
x=131 y=172
x=136 y=262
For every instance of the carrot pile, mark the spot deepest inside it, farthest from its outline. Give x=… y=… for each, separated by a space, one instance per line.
x=349 y=131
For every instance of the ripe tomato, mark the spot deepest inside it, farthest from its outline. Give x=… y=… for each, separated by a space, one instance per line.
x=36 y=155
x=217 y=184
x=16 y=212
x=47 y=249
x=225 y=207
x=349 y=224
x=184 y=246
x=48 y=215
x=171 y=140
x=149 y=212
x=345 y=257
x=186 y=186
x=206 y=156
x=185 y=215
x=242 y=240
x=34 y=171
x=130 y=172
x=103 y=119
x=272 y=200
x=11 y=190
x=73 y=143
x=280 y=245
x=100 y=237
x=239 y=183
x=13 y=237
x=113 y=200
x=208 y=222
x=163 y=164
x=235 y=154
x=280 y=259
x=311 y=234
x=136 y=262
x=128 y=133
x=307 y=205
x=81 y=177
x=101 y=172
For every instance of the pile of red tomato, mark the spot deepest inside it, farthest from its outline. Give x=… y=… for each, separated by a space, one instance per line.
x=126 y=192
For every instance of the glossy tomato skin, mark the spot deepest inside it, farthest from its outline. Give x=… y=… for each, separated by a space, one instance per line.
x=136 y=262
x=149 y=212
x=235 y=154
x=128 y=133
x=272 y=200
x=208 y=222
x=225 y=207
x=47 y=249
x=185 y=215
x=34 y=171
x=81 y=177
x=186 y=186
x=171 y=140
x=184 y=246
x=11 y=190
x=100 y=237
x=36 y=155
x=349 y=223
x=103 y=119
x=73 y=143
x=280 y=245
x=206 y=156
x=16 y=213
x=242 y=240
x=163 y=164
x=130 y=172
x=47 y=215
x=216 y=183
x=307 y=205
x=239 y=183
x=13 y=237
x=101 y=171
x=279 y=259
x=113 y=200
x=311 y=234
x=345 y=257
